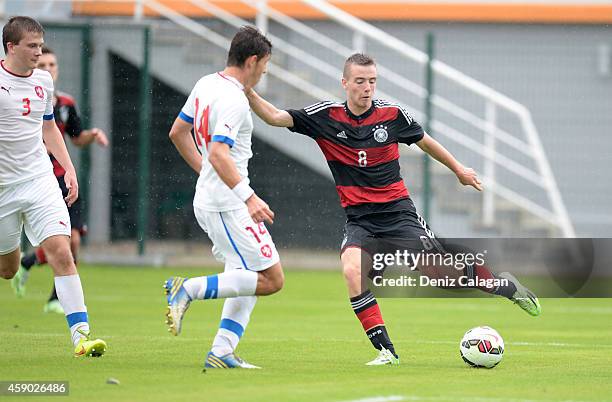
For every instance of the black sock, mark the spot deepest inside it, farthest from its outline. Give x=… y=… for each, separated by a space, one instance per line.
x=368 y=313
x=380 y=338
x=506 y=290
x=28 y=261
x=53 y=295
x=483 y=272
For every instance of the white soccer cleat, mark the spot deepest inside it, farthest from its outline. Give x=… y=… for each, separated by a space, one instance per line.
x=385 y=357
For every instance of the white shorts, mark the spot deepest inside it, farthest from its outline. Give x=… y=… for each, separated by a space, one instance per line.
x=38 y=206
x=237 y=240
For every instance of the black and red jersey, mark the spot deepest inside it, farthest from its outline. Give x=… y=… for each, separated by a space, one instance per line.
x=362 y=152
x=67 y=120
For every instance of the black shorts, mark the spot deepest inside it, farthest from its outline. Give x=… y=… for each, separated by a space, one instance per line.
x=75 y=211
x=406 y=224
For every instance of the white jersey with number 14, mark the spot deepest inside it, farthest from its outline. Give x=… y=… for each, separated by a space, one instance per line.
x=219 y=111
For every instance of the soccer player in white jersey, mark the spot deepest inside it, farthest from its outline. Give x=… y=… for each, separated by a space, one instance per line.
x=225 y=206
x=29 y=194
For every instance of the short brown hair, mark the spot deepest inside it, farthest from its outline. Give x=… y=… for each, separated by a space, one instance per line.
x=47 y=50
x=247 y=42
x=16 y=27
x=361 y=59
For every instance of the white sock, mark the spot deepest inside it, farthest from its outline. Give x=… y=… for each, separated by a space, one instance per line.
x=70 y=296
x=234 y=320
x=232 y=283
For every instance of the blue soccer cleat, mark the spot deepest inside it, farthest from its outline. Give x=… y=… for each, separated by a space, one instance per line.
x=230 y=360
x=178 y=303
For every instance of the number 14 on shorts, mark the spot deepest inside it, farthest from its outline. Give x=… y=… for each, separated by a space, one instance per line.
x=260 y=230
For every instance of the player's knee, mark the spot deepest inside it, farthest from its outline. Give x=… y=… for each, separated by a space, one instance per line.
x=277 y=282
x=8 y=269
x=61 y=258
x=351 y=272
x=9 y=264
x=6 y=273
x=273 y=281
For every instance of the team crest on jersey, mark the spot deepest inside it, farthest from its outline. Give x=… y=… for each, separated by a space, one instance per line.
x=39 y=91
x=380 y=133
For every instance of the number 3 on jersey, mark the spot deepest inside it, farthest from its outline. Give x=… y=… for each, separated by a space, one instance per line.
x=26 y=106
x=362 y=158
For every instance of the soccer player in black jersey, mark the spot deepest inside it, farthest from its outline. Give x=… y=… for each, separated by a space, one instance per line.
x=359 y=139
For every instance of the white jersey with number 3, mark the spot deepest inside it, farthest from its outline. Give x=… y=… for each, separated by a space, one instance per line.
x=219 y=111
x=24 y=102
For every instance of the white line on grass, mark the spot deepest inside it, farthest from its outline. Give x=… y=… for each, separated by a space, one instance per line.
x=498 y=307
x=191 y=339
x=390 y=398
x=541 y=344
x=397 y=398
x=548 y=344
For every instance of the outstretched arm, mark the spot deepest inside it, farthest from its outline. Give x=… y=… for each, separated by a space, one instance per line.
x=466 y=176
x=267 y=111
x=89 y=136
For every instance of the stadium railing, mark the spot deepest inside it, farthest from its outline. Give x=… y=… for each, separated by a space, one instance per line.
x=541 y=177
x=496 y=147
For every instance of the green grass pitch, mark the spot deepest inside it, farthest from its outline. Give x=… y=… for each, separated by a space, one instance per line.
x=309 y=343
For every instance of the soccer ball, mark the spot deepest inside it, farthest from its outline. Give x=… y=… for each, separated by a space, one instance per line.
x=482 y=347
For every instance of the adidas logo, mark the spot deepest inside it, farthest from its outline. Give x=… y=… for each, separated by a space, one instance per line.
x=341 y=134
